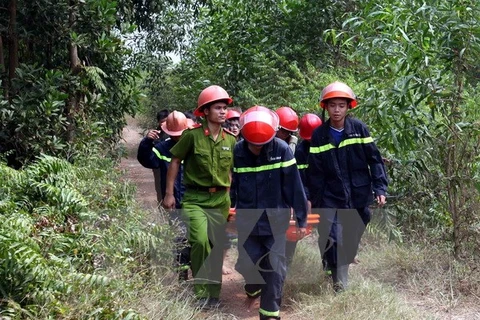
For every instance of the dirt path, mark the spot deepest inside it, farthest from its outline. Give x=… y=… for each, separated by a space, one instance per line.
x=232 y=295
x=140 y=176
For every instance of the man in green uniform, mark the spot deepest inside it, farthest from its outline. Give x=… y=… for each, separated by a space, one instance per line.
x=207 y=154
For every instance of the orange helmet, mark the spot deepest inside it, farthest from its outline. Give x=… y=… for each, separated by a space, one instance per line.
x=288 y=119
x=175 y=124
x=259 y=125
x=307 y=124
x=232 y=114
x=338 y=90
x=208 y=95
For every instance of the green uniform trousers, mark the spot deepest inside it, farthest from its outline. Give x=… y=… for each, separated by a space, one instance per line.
x=205 y=215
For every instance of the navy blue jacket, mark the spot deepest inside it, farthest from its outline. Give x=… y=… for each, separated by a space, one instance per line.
x=344 y=176
x=269 y=182
x=156 y=154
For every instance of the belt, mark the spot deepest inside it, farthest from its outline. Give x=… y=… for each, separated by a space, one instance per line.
x=208 y=189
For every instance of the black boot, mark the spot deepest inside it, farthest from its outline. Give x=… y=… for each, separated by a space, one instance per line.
x=183 y=275
x=340 y=278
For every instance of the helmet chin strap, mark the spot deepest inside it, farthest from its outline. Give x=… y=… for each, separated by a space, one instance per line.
x=323 y=115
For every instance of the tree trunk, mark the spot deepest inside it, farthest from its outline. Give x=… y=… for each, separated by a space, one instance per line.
x=72 y=47
x=453 y=195
x=3 y=77
x=12 y=41
x=455 y=169
x=48 y=55
x=74 y=99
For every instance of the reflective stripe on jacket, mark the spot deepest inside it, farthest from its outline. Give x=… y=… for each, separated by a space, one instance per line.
x=269 y=181
x=156 y=155
x=344 y=176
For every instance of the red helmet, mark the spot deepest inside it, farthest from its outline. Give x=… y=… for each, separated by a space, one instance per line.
x=232 y=114
x=208 y=95
x=176 y=123
x=307 y=124
x=259 y=125
x=338 y=90
x=288 y=119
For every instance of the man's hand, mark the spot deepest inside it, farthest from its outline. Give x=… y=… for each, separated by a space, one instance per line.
x=168 y=201
x=301 y=232
x=381 y=200
x=154 y=134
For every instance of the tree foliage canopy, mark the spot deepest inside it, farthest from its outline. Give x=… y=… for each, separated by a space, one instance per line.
x=66 y=70
x=411 y=63
x=71 y=69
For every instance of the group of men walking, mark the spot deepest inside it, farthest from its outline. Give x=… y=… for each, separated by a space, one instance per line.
x=269 y=180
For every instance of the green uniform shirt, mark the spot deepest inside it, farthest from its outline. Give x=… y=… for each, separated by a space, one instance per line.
x=206 y=163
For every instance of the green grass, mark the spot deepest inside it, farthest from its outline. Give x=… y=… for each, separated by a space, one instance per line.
x=392 y=281
x=309 y=294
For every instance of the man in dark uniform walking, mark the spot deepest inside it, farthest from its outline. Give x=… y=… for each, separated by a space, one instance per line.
x=345 y=169
x=155 y=154
x=266 y=185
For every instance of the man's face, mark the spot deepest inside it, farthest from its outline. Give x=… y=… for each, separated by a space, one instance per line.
x=337 y=109
x=234 y=126
x=216 y=113
x=255 y=149
x=283 y=134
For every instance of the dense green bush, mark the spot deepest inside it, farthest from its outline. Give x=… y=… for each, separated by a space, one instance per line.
x=73 y=234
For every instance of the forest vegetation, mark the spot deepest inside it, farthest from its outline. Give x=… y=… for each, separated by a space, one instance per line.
x=74 y=244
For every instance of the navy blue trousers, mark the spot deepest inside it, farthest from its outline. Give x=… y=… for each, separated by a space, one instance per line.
x=261 y=261
x=339 y=234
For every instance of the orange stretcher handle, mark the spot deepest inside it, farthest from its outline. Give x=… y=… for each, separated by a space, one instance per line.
x=312 y=220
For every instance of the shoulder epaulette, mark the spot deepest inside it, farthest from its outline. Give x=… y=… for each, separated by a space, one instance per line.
x=195 y=126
